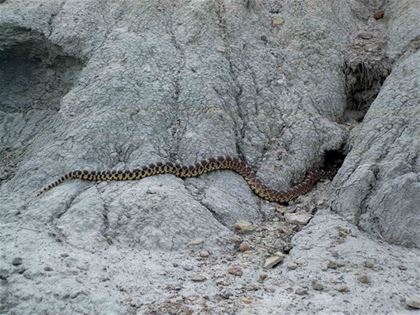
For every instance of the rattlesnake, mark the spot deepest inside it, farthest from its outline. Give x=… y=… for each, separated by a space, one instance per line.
x=199 y=168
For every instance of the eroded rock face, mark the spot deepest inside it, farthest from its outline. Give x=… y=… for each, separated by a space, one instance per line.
x=120 y=84
x=378 y=187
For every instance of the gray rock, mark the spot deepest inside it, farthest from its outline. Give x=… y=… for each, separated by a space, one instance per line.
x=85 y=85
x=377 y=187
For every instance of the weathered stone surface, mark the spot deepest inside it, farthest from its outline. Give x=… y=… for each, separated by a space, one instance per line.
x=120 y=84
x=378 y=187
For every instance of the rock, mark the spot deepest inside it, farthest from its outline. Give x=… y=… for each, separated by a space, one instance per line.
x=299 y=218
x=301 y=291
x=246 y=300
x=292 y=265
x=244 y=246
x=343 y=232
x=48 y=268
x=243 y=226
x=379 y=14
x=413 y=301
x=332 y=264
x=204 y=254
x=4 y=274
x=343 y=288
x=226 y=294
x=262 y=277
x=364 y=278
x=278 y=21
x=235 y=270
x=187 y=267
x=197 y=241
x=316 y=285
x=198 y=278
x=17 y=261
x=272 y=261
x=369 y=263
x=88 y=86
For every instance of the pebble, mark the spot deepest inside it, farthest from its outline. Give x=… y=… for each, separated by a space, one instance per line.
x=204 y=254
x=343 y=288
x=272 y=261
x=48 y=268
x=243 y=226
x=301 y=291
x=291 y=265
x=198 y=278
x=20 y=270
x=187 y=267
x=343 y=232
x=278 y=21
x=332 y=264
x=370 y=263
x=235 y=270
x=364 y=278
x=316 y=285
x=413 y=301
x=262 y=277
x=226 y=294
x=379 y=14
x=298 y=218
x=246 y=300
x=4 y=274
x=197 y=241
x=17 y=261
x=402 y=267
x=244 y=246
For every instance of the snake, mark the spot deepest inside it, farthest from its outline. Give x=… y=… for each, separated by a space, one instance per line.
x=205 y=166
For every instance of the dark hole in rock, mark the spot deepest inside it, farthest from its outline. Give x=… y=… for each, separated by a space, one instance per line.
x=34 y=73
x=364 y=77
x=34 y=76
x=333 y=159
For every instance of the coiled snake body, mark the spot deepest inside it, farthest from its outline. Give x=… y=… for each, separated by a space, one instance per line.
x=199 y=168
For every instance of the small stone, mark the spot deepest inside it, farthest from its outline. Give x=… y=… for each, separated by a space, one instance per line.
x=204 y=254
x=291 y=265
x=316 y=285
x=198 y=278
x=272 y=261
x=17 y=261
x=262 y=277
x=20 y=270
x=64 y=255
x=226 y=294
x=246 y=300
x=332 y=264
x=244 y=226
x=48 y=268
x=244 y=246
x=278 y=21
x=364 y=278
x=221 y=49
x=370 y=263
x=187 y=267
x=413 y=301
x=197 y=241
x=4 y=274
x=379 y=14
x=402 y=267
x=235 y=270
x=343 y=288
x=298 y=218
x=175 y=264
x=301 y=291
x=343 y=232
